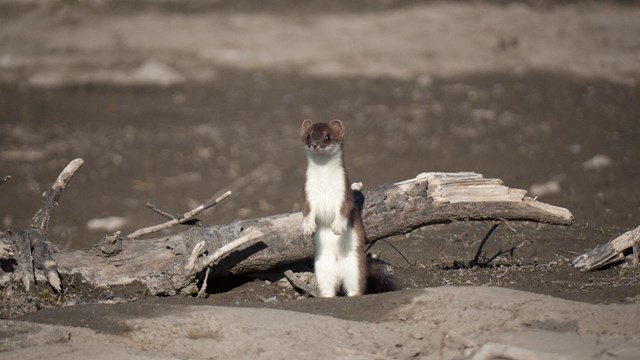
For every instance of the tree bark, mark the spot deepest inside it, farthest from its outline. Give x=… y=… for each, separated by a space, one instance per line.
x=430 y=198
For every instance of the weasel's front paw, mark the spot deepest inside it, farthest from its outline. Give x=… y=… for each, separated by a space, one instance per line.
x=339 y=225
x=308 y=226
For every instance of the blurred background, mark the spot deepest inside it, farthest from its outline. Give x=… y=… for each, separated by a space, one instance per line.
x=174 y=101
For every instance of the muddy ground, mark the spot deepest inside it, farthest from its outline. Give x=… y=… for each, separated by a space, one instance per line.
x=530 y=93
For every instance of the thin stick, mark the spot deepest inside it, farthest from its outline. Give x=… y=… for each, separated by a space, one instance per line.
x=191 y=263
x=500 y=252
x=40 y=221
x=164 y=213
x=203 y=290
x=185 y=217
x=252 y=235
x=172 y=216
x=191 y=268
x=299 y=284
x=393 y=247
x=476 y=258
x=506 y=222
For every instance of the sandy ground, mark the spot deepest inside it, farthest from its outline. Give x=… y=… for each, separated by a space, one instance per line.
x=62 y=44
x=436 y=323
x=166 y=101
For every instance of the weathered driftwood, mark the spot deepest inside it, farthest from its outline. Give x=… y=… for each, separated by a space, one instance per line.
x=610 y=252
x=299 y=284
x=50 y=199
x=30 y=244
x=430 y=198
x=22 y=246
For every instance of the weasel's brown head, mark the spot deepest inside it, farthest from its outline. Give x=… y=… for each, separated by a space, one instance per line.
x=322 y=137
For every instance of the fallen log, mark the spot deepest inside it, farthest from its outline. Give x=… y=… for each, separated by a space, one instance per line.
x=163 y=264
x=610 y=252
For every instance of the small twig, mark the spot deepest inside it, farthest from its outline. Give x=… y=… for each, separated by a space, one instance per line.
x=191 y=263
x=476 y=259
x=508 y=223
x=488 y=261
x=40 y=221
x=250 y=236
x=190 y=267
x=299 y=284
x=203 y=290
x=185 y=217
x=500 y=276
x=172 y=216
x=393 y=247
x=501 y=252
x=4 y=179
x=164 y=213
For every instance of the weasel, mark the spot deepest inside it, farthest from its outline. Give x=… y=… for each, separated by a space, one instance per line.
x=330 y=214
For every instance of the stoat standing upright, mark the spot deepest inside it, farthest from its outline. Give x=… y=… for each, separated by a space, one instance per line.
x=330 y=214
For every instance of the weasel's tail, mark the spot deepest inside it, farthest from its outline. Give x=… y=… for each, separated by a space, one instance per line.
x=379 y=276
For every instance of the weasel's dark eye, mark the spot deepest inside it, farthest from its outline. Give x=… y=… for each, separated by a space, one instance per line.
x=327 y=138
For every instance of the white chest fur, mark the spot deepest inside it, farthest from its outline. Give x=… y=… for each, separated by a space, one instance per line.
x=325 y=187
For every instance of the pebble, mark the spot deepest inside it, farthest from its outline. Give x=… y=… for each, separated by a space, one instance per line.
x=597 y=162
x=483 y=114
x=109 y=223
x=575 y=149
x=284 y=283
x=155 y=72
x=550 y=187
x=272 y=299
x=424 y=80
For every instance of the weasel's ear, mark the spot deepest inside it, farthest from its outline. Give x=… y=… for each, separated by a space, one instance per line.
x=337 y=128
x=305 y=126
